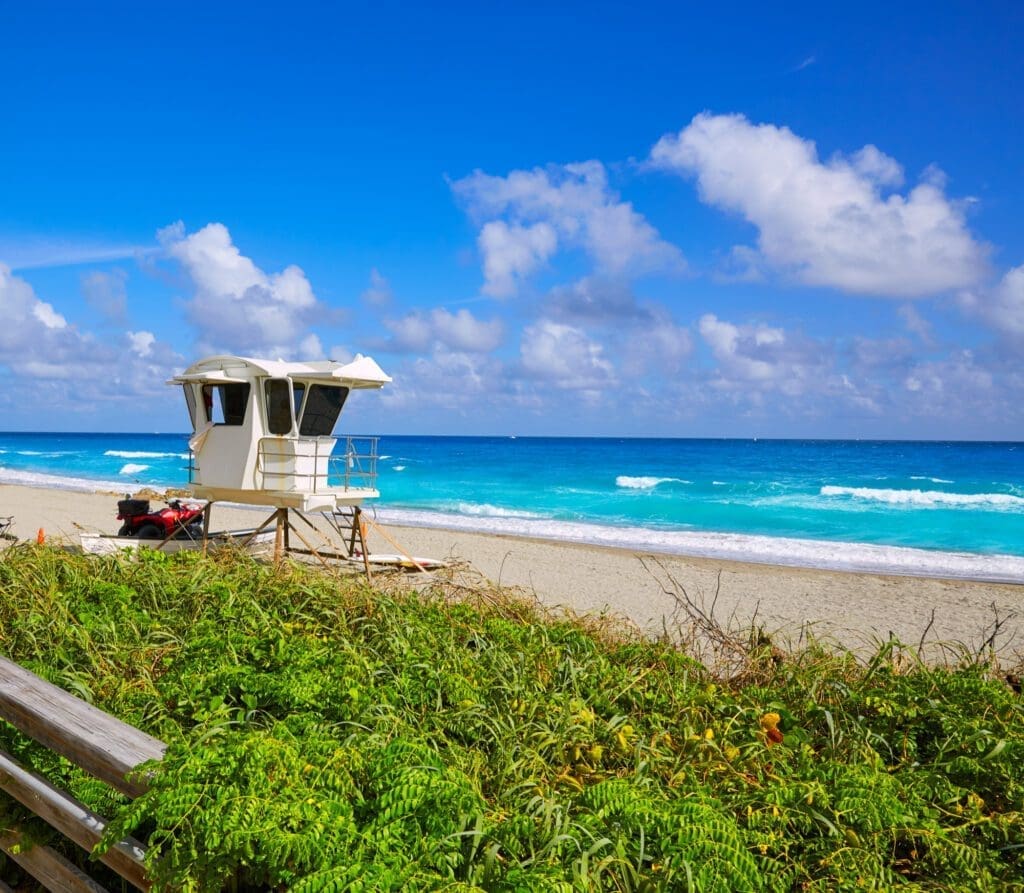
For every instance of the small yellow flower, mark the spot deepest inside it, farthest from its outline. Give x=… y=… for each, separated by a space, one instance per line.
x=709 y=734
x=770 y=721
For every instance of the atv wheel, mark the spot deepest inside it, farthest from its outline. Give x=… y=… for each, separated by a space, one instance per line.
x=125 y=530
x=150 y=532
x=189 y=532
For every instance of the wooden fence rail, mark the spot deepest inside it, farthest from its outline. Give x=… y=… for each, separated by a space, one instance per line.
x=99 y=743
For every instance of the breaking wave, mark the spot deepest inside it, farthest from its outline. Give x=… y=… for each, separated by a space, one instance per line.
x=486 y=510
x=734 y=546
x=62 y=482
x=132 y=468
x=645 y=483
x=929 y=498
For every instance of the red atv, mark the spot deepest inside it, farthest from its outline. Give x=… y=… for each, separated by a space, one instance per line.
x=180 y=520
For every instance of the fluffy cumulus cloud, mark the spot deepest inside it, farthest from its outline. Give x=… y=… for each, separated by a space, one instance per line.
x=565 y=357
x=661 y=348
x=529 y=214
x=963 y=388
x=440 y=329
x=837 y=222
x=65 y=369
x=643 y=335
x=448 y=380
x=141 y=342
x=35 y=339
x=511 y=252
x=858 y=384
x=596 y=300
x=237 y=307
x=759 y=358
x=1001 y=307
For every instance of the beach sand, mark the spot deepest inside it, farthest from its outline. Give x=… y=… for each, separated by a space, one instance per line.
x=854 y=609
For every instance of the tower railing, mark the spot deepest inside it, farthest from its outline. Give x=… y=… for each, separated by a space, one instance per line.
x=315 y=468
x=356 y=468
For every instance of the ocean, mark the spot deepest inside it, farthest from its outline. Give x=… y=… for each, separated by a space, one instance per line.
x=949 y=509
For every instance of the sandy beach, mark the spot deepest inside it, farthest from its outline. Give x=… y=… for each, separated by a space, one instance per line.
x=854 y=609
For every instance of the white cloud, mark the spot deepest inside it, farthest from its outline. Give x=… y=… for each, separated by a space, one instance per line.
x=62 y=368
x=643 y=335
x=420 y=331
x=48 y=316
x=564 y=357
x=463 y=331
x=141 y=342
x=527 y=215
x=954 y=386
x=761 y=357
x=409 y=334
x=596 y=300
x=236 y=306
x=446 y=380
x=32 y=329
x=832 y=222
x=887 y=355
x=1001 y=307
x=512 y=252
x=659 y=347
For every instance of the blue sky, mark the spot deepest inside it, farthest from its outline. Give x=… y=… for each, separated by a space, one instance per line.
x=588 y=220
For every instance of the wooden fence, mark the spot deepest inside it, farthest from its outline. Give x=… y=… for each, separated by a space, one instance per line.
x=97 y=742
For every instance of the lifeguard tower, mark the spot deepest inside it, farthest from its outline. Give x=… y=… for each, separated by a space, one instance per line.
x=263 y=434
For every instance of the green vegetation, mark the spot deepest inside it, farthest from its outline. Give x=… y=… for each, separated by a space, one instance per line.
x=328 y=736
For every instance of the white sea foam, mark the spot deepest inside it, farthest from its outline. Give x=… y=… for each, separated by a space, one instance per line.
x=132 y=468
x=59 y=482
x=734 y=546
x=486 y=518
x=645 y=483
x=399 y=468
x=143 y=454
x=924 y=477
x=486 y=510
x=930 y=498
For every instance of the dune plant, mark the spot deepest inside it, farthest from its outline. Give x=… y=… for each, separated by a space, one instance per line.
x=328 y=735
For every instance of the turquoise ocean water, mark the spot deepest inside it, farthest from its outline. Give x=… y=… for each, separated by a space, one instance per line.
x=954 y=509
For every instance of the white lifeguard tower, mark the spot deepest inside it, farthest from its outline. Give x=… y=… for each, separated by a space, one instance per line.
x=263 y=434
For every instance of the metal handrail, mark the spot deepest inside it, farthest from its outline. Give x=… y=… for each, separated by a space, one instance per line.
x=355 y=469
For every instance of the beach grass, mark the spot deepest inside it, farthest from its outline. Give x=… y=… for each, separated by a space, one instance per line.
x=328 y=734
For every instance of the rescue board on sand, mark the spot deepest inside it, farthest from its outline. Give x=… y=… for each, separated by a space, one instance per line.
x=407 y=562
x=108 y=544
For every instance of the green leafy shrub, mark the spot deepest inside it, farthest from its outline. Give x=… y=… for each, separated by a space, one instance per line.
x=327 y=736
